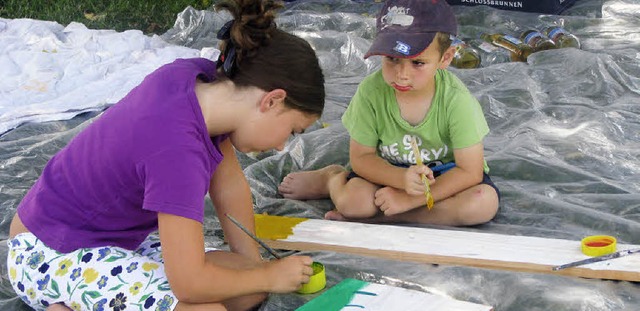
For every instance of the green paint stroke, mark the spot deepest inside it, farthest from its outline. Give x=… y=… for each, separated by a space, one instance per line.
x=275 y=227
x=336 y=297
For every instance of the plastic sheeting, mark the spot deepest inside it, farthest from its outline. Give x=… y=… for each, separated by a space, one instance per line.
x=50 y=72
x=563 y=148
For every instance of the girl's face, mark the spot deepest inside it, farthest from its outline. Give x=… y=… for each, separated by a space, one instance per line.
x=271 y=129
x=413 y=75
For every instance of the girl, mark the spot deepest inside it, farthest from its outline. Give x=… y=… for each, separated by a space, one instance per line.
x=81 y=236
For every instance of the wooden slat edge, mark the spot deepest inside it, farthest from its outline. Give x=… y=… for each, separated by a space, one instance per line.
x=458 y=261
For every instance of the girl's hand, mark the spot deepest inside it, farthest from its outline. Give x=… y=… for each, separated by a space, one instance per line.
x=413 y=184
x=288 y=274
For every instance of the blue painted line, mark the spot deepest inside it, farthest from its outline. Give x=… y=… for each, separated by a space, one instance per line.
x=365 y=293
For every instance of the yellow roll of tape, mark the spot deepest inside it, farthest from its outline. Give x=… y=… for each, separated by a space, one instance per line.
x=317 y=281
x=598 y=245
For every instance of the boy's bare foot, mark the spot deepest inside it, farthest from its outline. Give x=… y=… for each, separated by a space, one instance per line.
x=308 y=185
x=334 y=215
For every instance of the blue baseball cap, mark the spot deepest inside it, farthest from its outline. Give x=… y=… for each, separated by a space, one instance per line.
x=407 y=27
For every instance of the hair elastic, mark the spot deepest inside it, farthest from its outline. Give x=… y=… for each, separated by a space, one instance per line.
x=228 y=59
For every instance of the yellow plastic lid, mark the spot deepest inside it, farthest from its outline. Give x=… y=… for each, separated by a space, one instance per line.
x=317 y=281
x=598 y=245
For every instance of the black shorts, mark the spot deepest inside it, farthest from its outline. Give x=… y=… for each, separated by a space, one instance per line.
x=485 y=180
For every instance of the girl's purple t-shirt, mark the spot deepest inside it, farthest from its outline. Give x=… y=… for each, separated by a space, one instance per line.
x=148 y=153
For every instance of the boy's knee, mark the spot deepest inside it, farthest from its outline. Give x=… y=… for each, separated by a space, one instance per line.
x=356 y=200
x=351 y=207
x=357 y=212
x=477 y=212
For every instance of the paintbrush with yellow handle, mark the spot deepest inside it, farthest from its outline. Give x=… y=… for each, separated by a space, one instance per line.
x=427 y=189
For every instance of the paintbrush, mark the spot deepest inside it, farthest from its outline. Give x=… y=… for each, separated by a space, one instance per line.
x=427 y=189
x=255 y=238
x=597 y=259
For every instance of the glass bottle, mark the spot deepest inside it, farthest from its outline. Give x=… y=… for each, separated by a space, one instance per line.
x=465 y=57
x=561 y=37
x=537 y=40
x=519 y=51
x=489 y=53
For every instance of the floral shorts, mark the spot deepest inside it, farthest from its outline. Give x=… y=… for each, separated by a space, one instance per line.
x=103 y=278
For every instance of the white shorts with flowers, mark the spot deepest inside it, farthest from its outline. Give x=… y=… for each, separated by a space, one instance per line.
x=96 y=279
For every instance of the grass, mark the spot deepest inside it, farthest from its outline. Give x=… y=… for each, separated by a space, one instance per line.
x=149 y=16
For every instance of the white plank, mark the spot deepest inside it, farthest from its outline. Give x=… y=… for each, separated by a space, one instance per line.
x=453 y=247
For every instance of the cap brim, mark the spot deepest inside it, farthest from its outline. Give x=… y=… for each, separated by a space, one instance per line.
x=400 y=46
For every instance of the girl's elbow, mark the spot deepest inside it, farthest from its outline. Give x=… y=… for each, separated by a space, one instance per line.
x=183 y=292
x=191 y=295
x=188 y=291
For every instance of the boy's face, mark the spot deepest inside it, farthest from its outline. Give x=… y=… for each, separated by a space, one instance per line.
x=413 y=75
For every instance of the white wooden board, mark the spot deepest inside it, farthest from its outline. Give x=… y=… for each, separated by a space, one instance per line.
x=450 y=247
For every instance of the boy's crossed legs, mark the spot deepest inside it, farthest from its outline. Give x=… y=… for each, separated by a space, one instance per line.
x=355 y=199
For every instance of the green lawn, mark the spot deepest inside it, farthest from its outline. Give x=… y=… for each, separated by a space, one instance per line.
x=149 y=16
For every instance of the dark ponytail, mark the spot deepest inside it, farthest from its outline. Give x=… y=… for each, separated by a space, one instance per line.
x=256 y=53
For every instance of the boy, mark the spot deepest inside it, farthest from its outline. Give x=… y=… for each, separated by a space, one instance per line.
x=411 y=96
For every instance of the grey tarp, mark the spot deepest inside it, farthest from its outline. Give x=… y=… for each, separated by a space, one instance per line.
x=563 y=148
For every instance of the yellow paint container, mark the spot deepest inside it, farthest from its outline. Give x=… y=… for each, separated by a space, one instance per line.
x=317 y=281
x=598 y=245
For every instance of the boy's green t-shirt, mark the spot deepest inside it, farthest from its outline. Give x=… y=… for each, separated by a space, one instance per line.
x=455 y=120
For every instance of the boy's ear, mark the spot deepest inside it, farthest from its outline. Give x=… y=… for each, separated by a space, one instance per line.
x=447 y=57
x=272 y=99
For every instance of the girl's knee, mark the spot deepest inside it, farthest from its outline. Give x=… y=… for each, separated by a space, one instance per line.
x=58 y=307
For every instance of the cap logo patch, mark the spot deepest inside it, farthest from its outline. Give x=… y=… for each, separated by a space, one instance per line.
x=396 y=16
x=402 y=48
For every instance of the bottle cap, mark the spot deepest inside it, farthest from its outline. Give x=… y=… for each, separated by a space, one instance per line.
x=317 y=281
x=598 y=245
